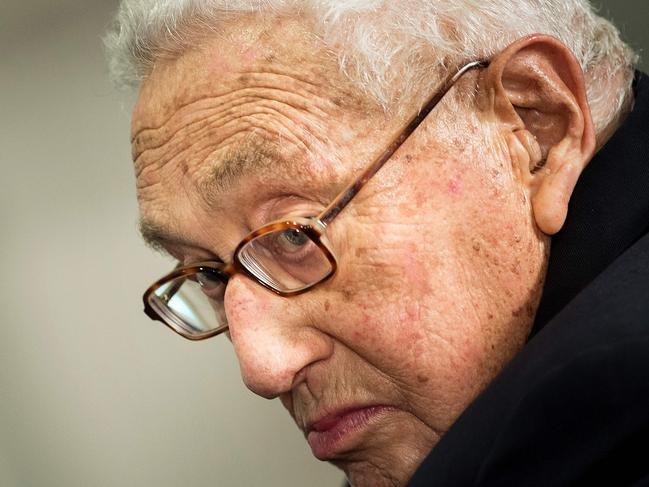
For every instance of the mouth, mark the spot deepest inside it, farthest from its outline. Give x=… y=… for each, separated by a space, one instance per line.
x=339 y=431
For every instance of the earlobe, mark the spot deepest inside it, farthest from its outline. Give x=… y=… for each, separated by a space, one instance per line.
x=538 y=95
x=554 y=189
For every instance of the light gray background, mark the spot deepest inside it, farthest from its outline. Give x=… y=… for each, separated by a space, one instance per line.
x=91 y=392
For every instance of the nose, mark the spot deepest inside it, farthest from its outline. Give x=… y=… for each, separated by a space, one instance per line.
x=273 y=338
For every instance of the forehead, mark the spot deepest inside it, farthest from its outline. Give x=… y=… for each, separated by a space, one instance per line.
x=259 y=94
x=236 y=57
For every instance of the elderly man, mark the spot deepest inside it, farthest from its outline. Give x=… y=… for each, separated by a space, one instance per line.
x=363 y=195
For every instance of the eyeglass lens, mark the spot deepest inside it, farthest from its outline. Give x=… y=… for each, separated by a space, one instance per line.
x=286 y=260
x=193 y=305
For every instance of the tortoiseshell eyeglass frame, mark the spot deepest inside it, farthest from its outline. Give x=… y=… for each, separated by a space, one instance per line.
x=314 y=227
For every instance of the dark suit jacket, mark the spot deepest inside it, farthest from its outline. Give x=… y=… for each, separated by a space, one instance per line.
x=573 y=407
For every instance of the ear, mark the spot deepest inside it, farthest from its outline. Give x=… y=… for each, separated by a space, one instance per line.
x=537 y=93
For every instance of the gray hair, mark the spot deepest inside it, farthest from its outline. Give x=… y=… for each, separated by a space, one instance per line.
x=390 y=50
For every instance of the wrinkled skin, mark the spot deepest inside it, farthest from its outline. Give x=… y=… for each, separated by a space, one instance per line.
x=440 y=259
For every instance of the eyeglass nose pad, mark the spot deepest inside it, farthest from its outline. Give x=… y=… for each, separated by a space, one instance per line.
x=228 y=271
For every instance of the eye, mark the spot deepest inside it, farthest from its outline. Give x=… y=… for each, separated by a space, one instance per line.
x=292 y=240
x=208 y=280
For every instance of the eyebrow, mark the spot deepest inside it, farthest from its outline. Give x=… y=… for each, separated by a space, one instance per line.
x=156 y=235
x=252 y=157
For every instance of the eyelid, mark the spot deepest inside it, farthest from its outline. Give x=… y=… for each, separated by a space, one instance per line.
x=188 y=258
x=195 y=260
x=285 y=207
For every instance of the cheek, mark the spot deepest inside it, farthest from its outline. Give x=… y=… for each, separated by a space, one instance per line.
x=411 y=297
x=401 y=305
x=380 y=302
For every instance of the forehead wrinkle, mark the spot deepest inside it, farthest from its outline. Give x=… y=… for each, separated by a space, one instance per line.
x=255 y=85
x=215 y=130
x=245 y=103
x=225 y=105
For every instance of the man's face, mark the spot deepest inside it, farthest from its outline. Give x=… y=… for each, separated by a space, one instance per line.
x=439 y=262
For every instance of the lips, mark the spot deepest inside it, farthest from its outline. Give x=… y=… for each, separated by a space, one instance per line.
x=338 y=431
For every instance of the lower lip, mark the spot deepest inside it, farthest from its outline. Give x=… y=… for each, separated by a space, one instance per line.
x=325 y=444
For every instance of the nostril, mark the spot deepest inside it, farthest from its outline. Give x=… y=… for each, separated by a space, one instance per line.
x=268 y=386
x=257 y=389
x=269 y=365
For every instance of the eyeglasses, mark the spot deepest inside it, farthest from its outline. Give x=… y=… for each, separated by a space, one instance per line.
x=288 y=256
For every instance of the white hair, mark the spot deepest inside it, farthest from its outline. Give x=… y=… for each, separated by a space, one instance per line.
x=391 y=49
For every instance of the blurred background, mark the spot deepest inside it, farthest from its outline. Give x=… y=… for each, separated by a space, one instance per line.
x=92 y=393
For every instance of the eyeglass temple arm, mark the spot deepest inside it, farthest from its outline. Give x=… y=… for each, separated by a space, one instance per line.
x=339 y=203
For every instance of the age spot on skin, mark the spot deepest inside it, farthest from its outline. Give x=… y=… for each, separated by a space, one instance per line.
x=347 y=295
x=327 y=305
x=455 y=186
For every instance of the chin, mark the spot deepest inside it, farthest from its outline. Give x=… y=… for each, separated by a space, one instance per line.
x=389 y=465
x=377 y=473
